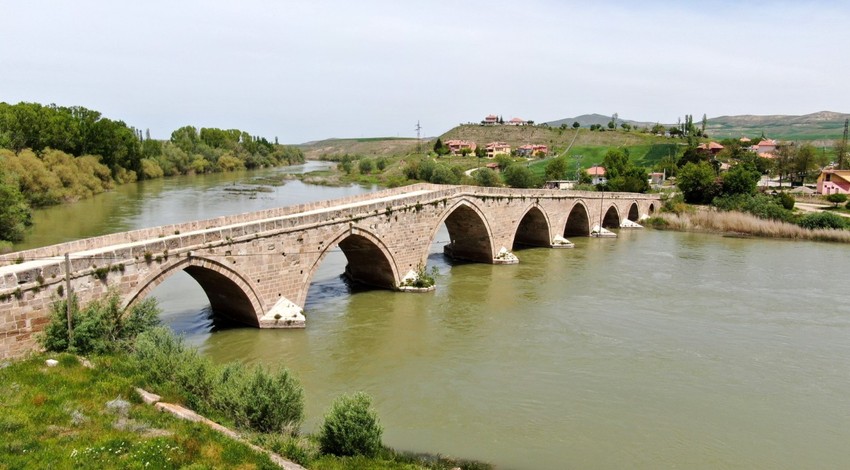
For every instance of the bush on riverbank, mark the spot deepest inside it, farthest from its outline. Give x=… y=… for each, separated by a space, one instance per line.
x=100 y=328
x=351 y=427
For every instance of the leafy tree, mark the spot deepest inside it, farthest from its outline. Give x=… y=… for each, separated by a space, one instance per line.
x=442 y=175
x=504 y=161
x=486 y=177
x=381 y=164
x=519 y=176
x=576 y=125
x=616 y=162
x=697 y=182
x=557 y=169
x=740 y=179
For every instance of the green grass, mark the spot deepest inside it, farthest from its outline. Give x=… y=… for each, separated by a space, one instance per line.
x=56 y=417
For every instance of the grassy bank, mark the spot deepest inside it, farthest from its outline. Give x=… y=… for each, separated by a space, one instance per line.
x=67 y=417
x=739 y=223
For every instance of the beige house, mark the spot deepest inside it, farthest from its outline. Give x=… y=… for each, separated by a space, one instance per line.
x=497 y=148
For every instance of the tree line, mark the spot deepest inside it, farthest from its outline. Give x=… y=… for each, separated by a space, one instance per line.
x=51 y=154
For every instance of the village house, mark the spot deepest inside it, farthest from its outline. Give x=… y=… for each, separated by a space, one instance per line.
x=712 y=147
x=765 y=148
x=656 y=179
x=834 y=181
x=497 y=148
x=490 y=120
x=516 y=122
x=457 y=147
x=530 y=150
x=597 y=174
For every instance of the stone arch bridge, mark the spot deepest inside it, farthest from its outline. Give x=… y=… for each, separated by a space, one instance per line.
x=256 y=267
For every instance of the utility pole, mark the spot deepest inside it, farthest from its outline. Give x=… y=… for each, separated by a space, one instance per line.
x=842 y=152
x=418 y=141
x=68 y=298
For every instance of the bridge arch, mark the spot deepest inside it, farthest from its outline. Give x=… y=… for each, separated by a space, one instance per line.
x=369 y=260
x=470 y=235
x=231 y=296
x=533 y=228
x=578 y=221
x=634 y=212
x=612 y=218
x=651 y=208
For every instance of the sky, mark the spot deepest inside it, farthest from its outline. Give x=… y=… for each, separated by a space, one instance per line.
x=310 y=70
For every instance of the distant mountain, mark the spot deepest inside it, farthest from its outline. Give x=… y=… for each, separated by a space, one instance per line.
x=587 y=120
x=823 y=125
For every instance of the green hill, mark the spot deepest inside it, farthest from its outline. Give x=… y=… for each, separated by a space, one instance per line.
x=823 y=125
x=371 y=146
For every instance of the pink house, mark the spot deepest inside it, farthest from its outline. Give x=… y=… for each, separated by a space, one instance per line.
x=529 y=150
x=516 y=122
x=834 y=181
x=490 y=120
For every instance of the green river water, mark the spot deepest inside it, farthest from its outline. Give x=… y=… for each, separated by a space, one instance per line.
x=652 y=350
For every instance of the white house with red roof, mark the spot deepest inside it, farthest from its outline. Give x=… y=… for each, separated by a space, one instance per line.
x=490 y=120
x=765 y=146
x=597 y=174
x=517 y=122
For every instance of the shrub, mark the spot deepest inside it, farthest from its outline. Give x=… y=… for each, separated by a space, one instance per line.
x=351 y=427
x=837 y=198
x=259 y=400
x=101 y=328
x=822 y=220
x=275 y=400
x=786 y=200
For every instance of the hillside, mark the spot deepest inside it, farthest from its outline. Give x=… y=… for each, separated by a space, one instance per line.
x=557 y=139
x=823 y=125
x=376 y=146
x=586 y=120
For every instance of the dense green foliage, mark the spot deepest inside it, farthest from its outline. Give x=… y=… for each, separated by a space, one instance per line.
x=827 y=220
x=486 y=177
x=760 y=205
x=351 y=427
x=74 y=130
x=836 y=198
x=697 y=181
x=103 y=327
x=519 y=176
x=15 y=213
x=622 y=174
x=59 y=154
x=259 y=399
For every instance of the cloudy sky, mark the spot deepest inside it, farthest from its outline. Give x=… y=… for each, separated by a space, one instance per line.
x=314 y=69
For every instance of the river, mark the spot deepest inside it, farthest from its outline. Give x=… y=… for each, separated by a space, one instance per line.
x=653 y=350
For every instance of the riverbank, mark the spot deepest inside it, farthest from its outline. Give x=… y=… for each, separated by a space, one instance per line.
x=741 y=224
x=80 y=412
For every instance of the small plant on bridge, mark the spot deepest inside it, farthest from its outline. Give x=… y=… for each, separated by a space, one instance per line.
x=423 y=279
